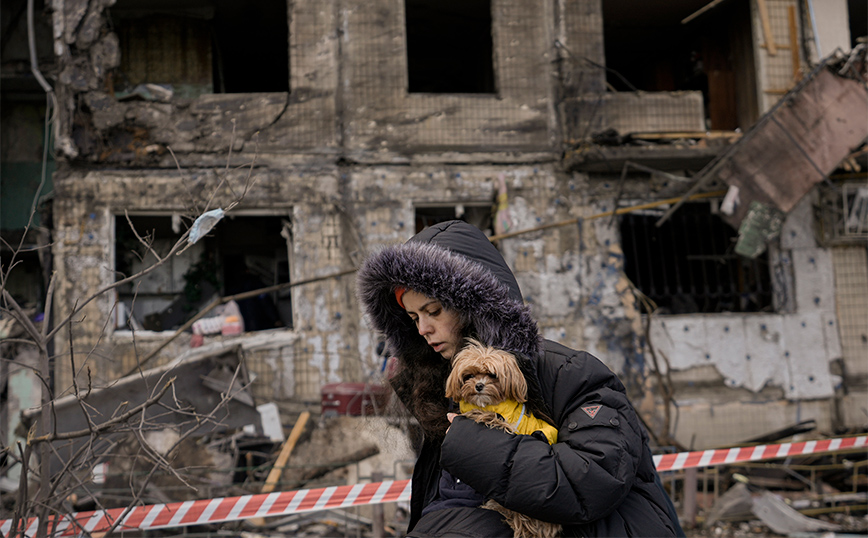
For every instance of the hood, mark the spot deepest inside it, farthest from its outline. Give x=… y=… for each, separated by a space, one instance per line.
x=455 y=263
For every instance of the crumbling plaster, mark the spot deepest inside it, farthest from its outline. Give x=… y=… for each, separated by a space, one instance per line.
x=788 y=349
x=348 y=93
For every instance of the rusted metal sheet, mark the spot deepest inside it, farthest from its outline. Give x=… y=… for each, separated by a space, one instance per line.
x=794 y=146
x=802 y=141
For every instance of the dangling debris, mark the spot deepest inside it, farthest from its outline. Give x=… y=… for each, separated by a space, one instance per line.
x=203 y=224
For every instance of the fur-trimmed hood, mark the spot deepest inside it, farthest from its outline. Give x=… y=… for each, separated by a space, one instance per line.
x=455 y=263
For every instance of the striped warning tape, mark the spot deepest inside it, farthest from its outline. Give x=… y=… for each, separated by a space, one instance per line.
x=723 y=456
x=220 y=510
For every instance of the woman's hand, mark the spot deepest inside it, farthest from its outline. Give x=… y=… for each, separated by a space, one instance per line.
x=449 y=417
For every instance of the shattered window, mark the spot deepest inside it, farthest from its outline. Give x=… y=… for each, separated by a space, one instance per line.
x=449 y=46
x=477 y=215
x=195 y=47
x=689 y=265
x=240 y=254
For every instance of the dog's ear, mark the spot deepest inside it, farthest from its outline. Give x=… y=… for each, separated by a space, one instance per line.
x=512 y=381
x=453 y=382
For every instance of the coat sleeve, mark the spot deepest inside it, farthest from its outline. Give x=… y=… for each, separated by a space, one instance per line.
x=582 y=477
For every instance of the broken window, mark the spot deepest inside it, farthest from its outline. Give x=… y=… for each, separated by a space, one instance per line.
x=688 y=265
x=203 y=46
x=843 y=212
x=449 y=46
x=477 y=215
x=674 y=46
x=240 y=254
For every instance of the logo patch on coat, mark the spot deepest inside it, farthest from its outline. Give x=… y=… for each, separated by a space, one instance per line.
x=591 y=410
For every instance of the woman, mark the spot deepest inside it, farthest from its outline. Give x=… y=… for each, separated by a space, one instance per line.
x=446 y=284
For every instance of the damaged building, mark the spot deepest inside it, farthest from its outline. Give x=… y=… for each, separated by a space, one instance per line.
x=633 y=164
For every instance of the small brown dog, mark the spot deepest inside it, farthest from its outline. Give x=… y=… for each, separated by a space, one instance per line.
x=491 y=390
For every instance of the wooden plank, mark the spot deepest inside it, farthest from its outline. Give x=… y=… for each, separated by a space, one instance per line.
x=767 y=27
x=700 y=11
x=794 y=42
x=277 y=470
x=687 y=134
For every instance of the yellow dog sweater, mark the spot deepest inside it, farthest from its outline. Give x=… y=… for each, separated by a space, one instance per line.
x=514 y=413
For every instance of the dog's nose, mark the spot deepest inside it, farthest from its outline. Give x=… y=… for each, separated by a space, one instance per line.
x=479 y=387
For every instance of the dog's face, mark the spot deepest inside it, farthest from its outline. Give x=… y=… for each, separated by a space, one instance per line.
x=483 y=376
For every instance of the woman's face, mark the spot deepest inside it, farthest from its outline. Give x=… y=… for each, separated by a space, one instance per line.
x=440 y=327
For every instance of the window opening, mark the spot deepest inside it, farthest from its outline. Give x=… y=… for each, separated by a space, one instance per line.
x=688 y=265
x=25 y=281
x=240 y=254
x=843 y=212
x=648 y=48
x=477 y=215
x=203 y=46
x=858 y=12
x=449 y=46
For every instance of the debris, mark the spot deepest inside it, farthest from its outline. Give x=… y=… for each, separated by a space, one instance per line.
x=271 y=425
x=804 y=426
x=203 y=224
x=196 y=465
x=354 y=399
x=342 y=460
x=78 y=412
x=761 y=224
x=347 y=449
x=736 y=503
x=148 y=92
x=783 y=519
x=778 y=161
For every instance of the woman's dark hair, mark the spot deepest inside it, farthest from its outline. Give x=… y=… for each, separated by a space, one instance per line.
x=421 y=384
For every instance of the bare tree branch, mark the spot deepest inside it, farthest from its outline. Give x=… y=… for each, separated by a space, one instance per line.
x=105 y=425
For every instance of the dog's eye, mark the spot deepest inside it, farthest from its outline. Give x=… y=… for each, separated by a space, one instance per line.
x=492 y=376
x=467 y=377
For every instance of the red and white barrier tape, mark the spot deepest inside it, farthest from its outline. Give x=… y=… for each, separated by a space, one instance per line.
x=220 y=510
x=207 y=511
x=724 y=456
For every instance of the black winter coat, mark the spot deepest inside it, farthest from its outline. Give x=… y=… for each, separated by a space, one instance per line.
x=597 y=480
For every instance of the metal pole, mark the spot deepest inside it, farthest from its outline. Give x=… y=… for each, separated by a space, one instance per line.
x=378 y=525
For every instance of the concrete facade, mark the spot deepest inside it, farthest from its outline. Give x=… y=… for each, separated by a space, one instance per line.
x=347 y=157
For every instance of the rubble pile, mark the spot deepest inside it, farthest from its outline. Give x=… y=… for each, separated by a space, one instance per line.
x=816 y=495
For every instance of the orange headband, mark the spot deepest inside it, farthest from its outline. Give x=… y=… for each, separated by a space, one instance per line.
x=399 y=294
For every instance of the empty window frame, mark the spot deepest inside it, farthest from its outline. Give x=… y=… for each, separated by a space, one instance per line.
x=477 y=215
x=843 y=211
x=688 y=265
x=240 y=254
x=858 y=12
x=203 y=46
x=449 y=46
x=649 y=48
